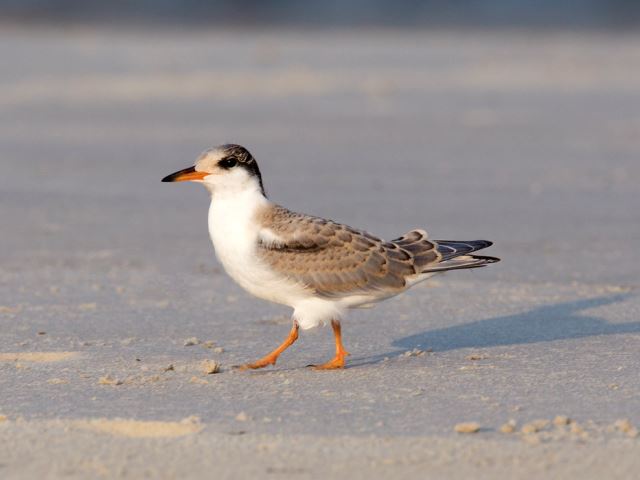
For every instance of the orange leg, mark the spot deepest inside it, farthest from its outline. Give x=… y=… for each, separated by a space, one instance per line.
x=338 y=360
x=273 y=356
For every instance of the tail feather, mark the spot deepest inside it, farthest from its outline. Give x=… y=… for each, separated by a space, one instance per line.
x=454 y=248
x=456 y=255
x=431 y=256
x=462 y=262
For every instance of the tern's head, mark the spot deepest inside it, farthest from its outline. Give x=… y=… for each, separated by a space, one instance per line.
x=225 y=167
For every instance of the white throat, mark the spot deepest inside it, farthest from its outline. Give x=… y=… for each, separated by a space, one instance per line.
x=234 y=229
x=232 y=214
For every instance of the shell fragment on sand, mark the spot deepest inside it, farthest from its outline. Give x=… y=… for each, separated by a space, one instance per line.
x=534 y=426
x=190 y=342
x=210 y=367
x=626 y=427
x=467 y=427
x=509 y=427
x=561 y=420
x=109 y=380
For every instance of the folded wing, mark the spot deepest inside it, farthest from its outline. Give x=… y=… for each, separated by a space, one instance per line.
x=335 y=260
x=331 y=259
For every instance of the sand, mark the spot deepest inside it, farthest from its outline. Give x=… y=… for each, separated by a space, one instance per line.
x=37 y=357
x=114 y=311
x=233 y=455
x=141 y=429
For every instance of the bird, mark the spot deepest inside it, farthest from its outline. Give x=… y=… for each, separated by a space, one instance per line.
x=316 y=266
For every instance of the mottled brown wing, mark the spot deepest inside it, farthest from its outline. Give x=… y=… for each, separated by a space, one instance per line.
x=336 y=260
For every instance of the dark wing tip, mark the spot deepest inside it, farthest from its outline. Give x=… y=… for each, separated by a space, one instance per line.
x=486 y=259
x=454 y=248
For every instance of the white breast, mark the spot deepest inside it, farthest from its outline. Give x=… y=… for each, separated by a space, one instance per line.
x=234 y=233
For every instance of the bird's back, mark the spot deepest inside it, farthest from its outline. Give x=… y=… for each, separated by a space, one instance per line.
x=336 y=261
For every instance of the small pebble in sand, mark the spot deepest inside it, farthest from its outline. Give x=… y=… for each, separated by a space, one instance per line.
x=535 y=426
x=576 y=429
x=242 y=417
x=218 y=350
x=509 y=427
x=625 y=426
x=561 y=420
x=416 y=352
x=109 y=380
x=208 y=344
x=169 y=368
x=210 y=367
x=467 y=427
x=190 y=342
x=200 y=381
x=477 y=356
x=42 y=333
x=3 y=418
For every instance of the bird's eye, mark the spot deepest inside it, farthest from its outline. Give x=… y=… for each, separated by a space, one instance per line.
x=228 y=163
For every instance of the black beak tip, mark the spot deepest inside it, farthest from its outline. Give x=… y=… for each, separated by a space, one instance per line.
x=173 y=176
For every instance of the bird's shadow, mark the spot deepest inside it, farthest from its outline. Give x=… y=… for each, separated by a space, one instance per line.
x=560 y=321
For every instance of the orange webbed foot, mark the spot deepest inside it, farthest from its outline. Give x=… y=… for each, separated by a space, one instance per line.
x=273 y=356
x=337 y=362
x=264 y=362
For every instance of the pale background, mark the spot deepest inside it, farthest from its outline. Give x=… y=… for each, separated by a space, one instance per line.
x=493 y=121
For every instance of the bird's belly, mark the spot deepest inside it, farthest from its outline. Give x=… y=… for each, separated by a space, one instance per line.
x=243 y=266
x=260 y=282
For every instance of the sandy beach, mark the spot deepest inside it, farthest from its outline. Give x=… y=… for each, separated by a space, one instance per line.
x=114 y=310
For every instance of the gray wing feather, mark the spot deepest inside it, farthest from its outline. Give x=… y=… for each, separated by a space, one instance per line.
x=335 y=260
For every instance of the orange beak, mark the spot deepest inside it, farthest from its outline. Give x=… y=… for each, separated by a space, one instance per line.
x=186 y=175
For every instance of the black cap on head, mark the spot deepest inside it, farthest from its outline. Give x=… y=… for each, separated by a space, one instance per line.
x=244 y=158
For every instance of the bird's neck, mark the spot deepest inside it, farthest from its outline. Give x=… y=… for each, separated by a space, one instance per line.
x=233 y=213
